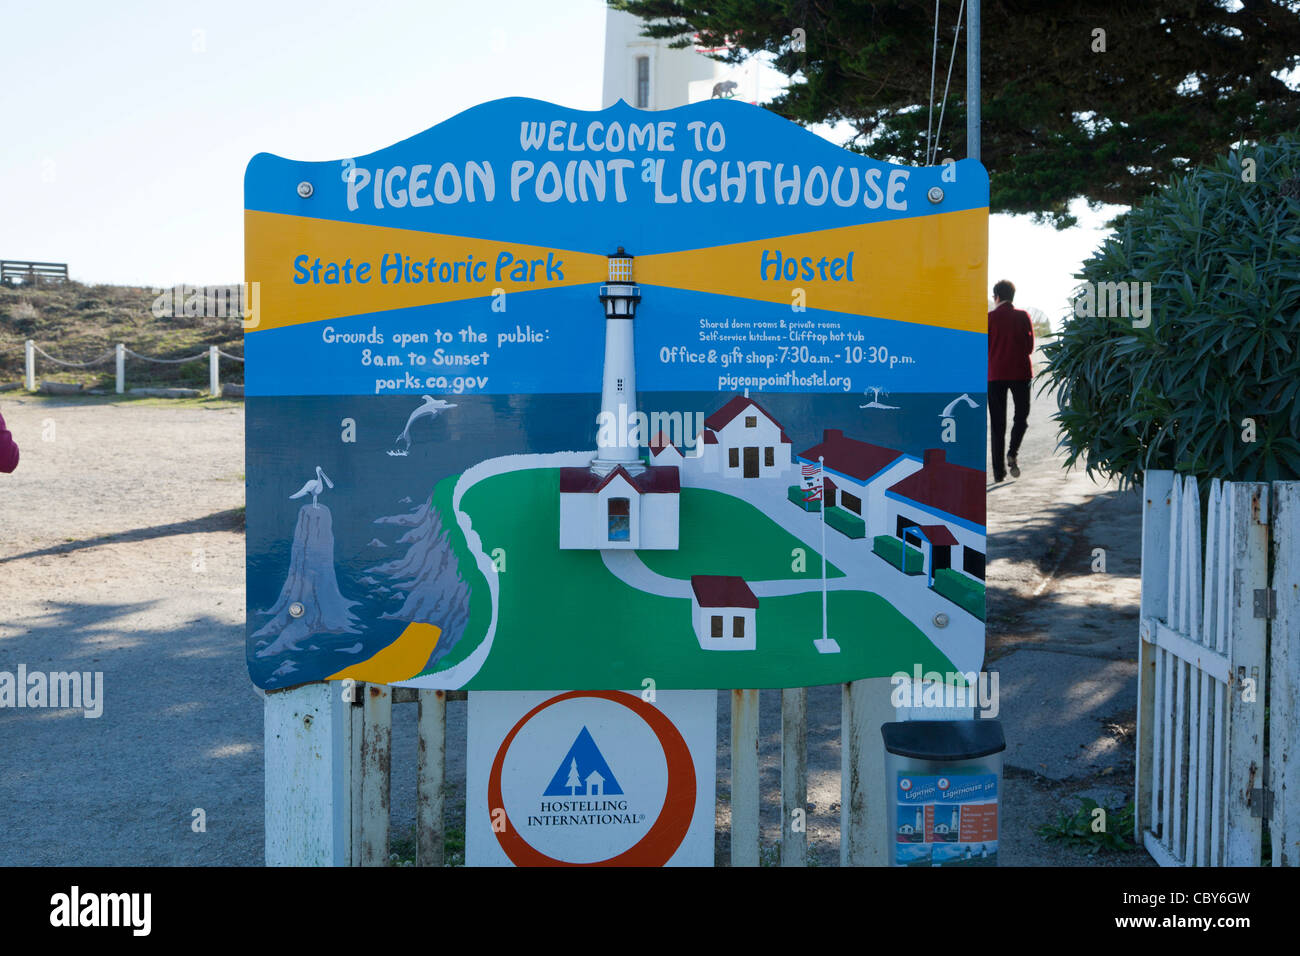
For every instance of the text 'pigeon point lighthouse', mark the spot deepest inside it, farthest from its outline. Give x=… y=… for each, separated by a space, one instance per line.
x=619 y=502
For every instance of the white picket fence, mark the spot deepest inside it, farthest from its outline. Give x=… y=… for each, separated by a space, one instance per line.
x=119 y=353
x=329 y=771
x=1220 y=642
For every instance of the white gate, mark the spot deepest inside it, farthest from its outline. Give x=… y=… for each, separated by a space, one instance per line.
x=1219 y=673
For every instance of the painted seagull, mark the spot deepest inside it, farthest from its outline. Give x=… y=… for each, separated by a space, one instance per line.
x=315 y=486
x=951 y=406
x=431 y=407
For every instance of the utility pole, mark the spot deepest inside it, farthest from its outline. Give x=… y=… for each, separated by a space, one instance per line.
x=973 y=81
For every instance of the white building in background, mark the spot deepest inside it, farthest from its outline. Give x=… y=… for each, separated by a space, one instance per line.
x=651 y=75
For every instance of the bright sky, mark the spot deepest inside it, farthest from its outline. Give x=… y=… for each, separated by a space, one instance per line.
x=125 y=128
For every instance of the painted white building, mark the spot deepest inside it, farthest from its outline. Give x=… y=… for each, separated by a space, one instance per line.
x=651 y=75
x=618 y=503
x=724 y=612
x=664 y=453
x=947 y=495
x=861 y=473
x=619 y=511
x=741 y=440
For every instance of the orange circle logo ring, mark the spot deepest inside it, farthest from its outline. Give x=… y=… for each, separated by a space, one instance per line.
x=668 y=831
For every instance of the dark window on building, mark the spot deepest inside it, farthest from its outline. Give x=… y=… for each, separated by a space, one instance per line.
x=620 y=522
x=643 y=82
x=851 y=502
x=733 y=457
x=715 y=626
x=619 y=385
x=905 y=522
x=769 y=456
x=751 y=421
x=737 y=627
x=972 y=562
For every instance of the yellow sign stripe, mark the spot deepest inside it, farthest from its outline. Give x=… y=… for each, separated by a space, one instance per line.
x=930 y=270
x=272 y=241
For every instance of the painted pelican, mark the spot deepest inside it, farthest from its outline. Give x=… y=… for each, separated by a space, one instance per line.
x=315 y=486
x=431 y=407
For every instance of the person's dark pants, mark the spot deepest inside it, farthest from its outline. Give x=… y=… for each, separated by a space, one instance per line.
x=998 y=419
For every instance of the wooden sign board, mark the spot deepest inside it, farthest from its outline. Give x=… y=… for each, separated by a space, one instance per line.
x=548 y=398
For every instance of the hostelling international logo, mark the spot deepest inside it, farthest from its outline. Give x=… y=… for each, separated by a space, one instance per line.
x=588 y=792
x=576 y=807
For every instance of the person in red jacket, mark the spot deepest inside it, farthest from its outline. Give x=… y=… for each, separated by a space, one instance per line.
x=1011 y=343
x=8 y=450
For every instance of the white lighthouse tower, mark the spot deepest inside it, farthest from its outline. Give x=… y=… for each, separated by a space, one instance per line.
x=618 y=387
x=618 y=502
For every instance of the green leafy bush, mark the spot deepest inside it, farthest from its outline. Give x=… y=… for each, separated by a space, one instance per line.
x=1222 y=256
x=796 y=492
x=905 y=558
x=961 y=590
x=1110 y=830
x=846 y=524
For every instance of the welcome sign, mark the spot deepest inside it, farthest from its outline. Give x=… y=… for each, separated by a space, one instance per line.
x=549 y=398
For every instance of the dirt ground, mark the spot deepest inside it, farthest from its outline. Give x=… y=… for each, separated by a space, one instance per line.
x=121 y=551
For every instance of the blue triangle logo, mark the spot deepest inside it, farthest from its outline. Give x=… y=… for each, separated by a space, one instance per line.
x=583 y=772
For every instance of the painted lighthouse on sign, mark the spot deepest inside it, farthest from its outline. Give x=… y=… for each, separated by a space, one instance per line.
x=619 y=502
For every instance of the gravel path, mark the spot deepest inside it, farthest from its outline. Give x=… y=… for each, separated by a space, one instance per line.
x=121 y=551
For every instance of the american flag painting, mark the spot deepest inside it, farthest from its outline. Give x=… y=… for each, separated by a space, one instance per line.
x=812 y=477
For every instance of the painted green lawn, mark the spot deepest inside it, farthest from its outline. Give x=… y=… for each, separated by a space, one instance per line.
x=566 y=622
x=725 y=535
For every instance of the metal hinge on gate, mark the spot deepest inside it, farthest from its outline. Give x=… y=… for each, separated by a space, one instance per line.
x=1261 y=798
x=1265 y=603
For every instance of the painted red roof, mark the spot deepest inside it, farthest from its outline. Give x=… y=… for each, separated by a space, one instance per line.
x=724 y=415
x=848 y=456
x=660 y=443
x=656 y=479
x=710 y=438
x=722 y=590
x=950 y=488
x=938 y=534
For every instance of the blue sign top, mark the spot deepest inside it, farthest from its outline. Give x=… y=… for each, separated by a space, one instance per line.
x=725 y=171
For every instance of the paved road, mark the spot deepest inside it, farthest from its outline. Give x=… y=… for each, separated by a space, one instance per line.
x=1063 y=639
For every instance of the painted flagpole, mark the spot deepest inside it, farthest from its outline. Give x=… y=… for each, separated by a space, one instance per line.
x=821 y=487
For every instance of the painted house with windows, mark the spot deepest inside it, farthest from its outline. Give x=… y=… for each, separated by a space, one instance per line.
x=858 y=474
x=619 y=511
x=741 y=440
x=944 y=504
x=724 y=611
